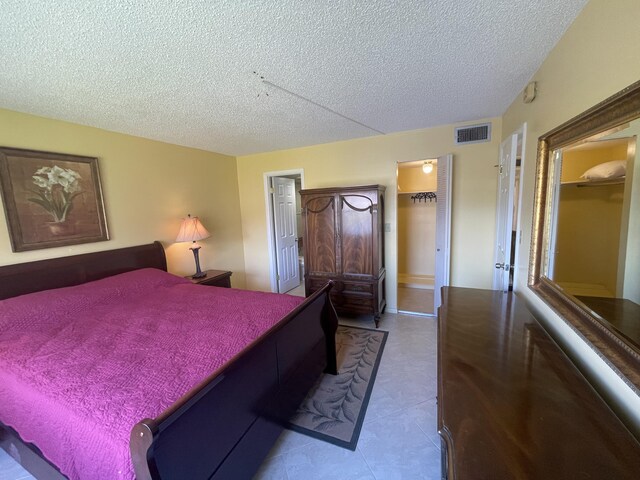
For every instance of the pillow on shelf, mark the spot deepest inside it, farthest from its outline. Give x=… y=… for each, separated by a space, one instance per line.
x=613 y=169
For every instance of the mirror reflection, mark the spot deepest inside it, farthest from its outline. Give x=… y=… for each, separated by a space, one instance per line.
x=593 y=240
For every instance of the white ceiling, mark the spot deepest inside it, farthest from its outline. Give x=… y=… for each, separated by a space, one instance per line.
x=183 y=71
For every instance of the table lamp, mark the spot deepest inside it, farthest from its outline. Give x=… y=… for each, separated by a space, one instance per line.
x=192 y=230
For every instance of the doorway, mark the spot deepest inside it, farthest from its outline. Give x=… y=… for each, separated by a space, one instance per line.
x=424 y=220
x=508 y=208
x=284 y=231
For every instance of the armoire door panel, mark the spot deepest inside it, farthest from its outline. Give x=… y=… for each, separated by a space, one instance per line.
x=319 y=242
x=356 y=234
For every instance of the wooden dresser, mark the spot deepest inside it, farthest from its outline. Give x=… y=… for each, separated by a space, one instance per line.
x=511 y=405
x=344 y=242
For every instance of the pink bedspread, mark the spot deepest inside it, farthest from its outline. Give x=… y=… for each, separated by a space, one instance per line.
x=80 y=366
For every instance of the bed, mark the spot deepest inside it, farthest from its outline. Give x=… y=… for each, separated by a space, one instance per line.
x=192 y=405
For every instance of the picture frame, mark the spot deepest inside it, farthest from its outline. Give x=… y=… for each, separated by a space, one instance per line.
x=51 y=199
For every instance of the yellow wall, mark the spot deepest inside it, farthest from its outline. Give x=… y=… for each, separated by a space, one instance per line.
x=596 y=57
x=374 y=160
x=148 y=187
x=413 y=179
x=416 y=237
x=588 y=239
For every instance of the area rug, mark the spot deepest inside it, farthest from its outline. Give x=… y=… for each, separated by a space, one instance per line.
x=335 y=407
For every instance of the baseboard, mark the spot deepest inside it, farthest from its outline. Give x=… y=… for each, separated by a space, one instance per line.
x=407 y=280
x=419 y=286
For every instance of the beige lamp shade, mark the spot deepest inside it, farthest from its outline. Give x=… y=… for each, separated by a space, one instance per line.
x=192 y=230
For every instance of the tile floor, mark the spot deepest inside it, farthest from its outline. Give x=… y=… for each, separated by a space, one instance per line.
x=418 y=300
x=398 y=438
x=298 y=291
x=11 y=470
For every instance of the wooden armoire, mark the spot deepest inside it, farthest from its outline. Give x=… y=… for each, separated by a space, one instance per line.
x=344 y=242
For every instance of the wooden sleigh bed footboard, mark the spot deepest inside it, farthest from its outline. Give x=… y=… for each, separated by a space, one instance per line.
x=224 y=427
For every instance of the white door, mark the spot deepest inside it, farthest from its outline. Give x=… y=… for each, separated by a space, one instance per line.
x=286 y=238
x=443 y=227
x=504 y=213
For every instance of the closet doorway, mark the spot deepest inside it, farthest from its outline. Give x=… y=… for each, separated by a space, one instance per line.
x=284 y=231
x=424 y=224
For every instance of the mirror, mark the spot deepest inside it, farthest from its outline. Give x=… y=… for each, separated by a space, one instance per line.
x=585 y=255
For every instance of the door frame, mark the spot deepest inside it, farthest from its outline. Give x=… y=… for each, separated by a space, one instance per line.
x=447 y=231
x=520 y=131
x=268 y=202
x=504 y=247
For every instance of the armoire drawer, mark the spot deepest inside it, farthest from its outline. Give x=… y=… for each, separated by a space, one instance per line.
x=346 y=300
x=341 y=286
x=317 y=283
x=356 y=287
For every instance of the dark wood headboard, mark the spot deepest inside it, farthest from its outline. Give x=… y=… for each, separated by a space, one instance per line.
x=31 y=277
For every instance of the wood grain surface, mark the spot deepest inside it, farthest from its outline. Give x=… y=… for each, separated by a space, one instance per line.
x=512 y=405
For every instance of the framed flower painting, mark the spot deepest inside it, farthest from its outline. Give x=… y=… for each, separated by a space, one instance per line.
x=51 y=199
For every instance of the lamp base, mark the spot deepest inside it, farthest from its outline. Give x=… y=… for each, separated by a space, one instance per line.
x=199 y=273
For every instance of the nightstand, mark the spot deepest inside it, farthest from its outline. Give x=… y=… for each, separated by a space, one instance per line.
x=215 y=278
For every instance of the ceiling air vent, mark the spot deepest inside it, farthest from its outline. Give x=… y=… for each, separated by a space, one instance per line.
x=473 y=134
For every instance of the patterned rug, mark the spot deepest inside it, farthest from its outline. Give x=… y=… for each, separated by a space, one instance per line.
x=336 y=405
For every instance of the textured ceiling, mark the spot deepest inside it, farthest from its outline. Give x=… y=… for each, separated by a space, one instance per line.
x=183 y=71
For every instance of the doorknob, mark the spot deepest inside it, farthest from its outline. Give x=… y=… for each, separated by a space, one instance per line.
x=505 y=266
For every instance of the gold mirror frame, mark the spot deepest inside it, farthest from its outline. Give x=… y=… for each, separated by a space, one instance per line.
x=620 y=108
